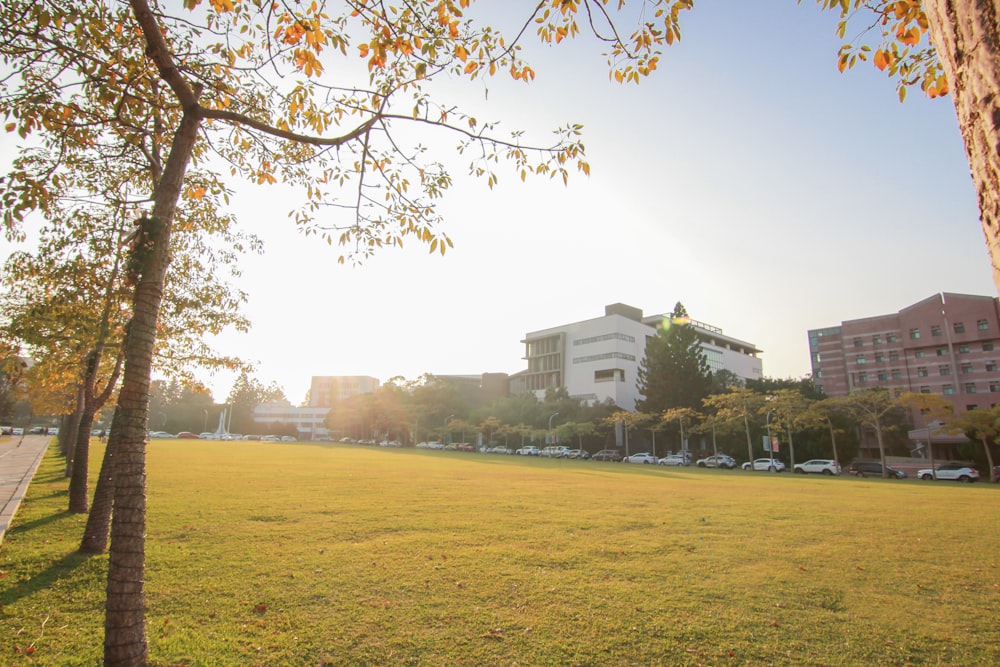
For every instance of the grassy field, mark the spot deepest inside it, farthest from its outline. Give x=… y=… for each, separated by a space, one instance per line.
x=278 y=554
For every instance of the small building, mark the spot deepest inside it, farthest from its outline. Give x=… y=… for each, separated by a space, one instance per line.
x=328 y=390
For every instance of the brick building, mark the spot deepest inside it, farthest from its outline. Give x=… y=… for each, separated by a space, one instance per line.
x=947 y=344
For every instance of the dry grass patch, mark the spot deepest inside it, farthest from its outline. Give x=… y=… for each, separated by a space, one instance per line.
x=276 y=554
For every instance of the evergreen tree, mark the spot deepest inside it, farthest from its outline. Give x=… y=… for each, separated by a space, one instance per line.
x=674 y=372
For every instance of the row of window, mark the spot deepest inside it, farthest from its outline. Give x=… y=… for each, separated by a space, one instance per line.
x=606 y=355
x=944 y=369
x=893 y=355
x=947 y=389
x=610 y=336
x=959 y=328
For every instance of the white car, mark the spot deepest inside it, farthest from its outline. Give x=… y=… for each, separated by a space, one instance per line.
x=529 y=450
x=555 y=452
x=953 y=471
x=819 y=466
x=719 y=461
x=642 y=457
x=673 y=460
x=772 y=465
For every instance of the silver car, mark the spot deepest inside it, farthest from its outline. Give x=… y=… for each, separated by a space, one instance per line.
x=772 y=465
x=818 y=466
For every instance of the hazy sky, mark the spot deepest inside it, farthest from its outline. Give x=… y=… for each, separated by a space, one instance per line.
x=747 y=178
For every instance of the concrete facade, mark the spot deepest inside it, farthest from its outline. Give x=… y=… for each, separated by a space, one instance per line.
x=947 y=344
x=598 y=359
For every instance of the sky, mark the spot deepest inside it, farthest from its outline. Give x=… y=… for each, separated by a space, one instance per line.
x=748 y=179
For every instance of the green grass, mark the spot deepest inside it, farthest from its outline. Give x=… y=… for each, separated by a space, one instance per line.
x=277 y=554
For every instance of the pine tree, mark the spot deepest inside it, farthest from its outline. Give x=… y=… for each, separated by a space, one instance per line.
x=674 y=372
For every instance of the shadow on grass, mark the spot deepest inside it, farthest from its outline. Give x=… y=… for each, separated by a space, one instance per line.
x=39 y=522
x=60 y=569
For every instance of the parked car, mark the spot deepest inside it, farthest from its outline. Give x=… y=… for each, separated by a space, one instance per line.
x=873 y=469
x=578 y=454
x=161 y=435
x=951 y=471
x=528 y=450
x=501 y=449
x=607 y=455
x=996 y=475
x=674 y=460
x=642 y=457
x=555 y=452
x=772 y=465
x=17 y=430
x=719 y=461
x=6 y=430
x=188 y=435
x=819 y=466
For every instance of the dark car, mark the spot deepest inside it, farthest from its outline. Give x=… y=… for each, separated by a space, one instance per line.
x=607 y=455
x=996 y=475
x=873 y=469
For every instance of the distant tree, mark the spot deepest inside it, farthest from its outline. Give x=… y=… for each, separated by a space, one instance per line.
x=724 y=378
x=872 y=408
x=674 y=372
x=738 y=406
x=246 y=394
x=789 y=407
x=628 y=420
x=682 y=416
x=981 y=425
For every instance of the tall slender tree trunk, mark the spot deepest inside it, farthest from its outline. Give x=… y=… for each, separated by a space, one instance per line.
x=71 y=432
x=95 y=534
x=966 y=35
x=124 y=625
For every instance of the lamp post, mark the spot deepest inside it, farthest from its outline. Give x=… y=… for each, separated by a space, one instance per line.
x=446 y=420
x=548 y=437
x=770 y=445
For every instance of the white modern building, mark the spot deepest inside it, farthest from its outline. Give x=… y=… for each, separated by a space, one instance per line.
x=308 y=422
x=599 y=359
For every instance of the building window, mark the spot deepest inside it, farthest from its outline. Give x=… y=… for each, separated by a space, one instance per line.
x=860 y=359
x=879 y=357
x=862 y=378
x=959 y=327
x=995 y=387
x=897 y=375
x=970 y=387
x=982 y=325
x=966 y=368
x=944 y=370
x=991 y=366
x=947 y=390
x=883 y=376
x=876 y=339
x=941 y=351
x=987 y=347
x=894 y=356
x=935 y=330
x=891 y=338
x=925 y=390
x=819 y=373
x=914 y=334
x=922 y=372
x=964 y=349
x=919 y=354
x=858 y=342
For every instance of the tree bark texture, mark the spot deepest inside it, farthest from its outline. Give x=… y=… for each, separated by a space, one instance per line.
x=95 y=534
x=124 y=624
x=966 y=35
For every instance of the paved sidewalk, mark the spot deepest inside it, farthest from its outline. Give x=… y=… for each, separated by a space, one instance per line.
x=19 y=458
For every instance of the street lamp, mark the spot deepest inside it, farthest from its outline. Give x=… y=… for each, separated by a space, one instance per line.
x=770 y=444
x=549 y=436
x=446 y=420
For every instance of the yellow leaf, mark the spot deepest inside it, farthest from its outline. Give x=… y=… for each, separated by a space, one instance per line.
x=881 y=59
x=10 y=127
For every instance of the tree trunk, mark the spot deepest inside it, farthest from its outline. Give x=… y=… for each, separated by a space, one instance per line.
x=966 y=35
x=95 y=534
x=881 y=447
x=78 y=495
x=124 y=624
